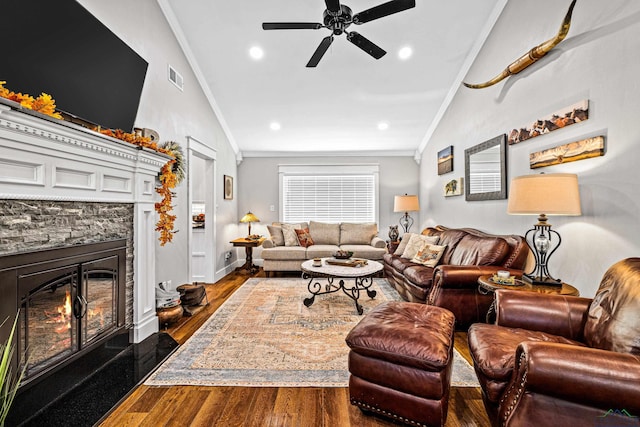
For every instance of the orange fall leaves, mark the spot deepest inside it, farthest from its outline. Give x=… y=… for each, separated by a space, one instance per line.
x=45 y=104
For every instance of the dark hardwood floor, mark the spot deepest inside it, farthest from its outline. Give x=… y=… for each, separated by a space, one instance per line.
x=265 y=406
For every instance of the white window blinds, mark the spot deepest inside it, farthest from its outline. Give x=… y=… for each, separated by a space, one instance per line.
x=329 y=197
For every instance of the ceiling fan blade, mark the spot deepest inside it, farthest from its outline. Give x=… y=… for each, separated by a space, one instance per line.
x=385 y=9
x=320 y=51
x=366 y=45
x=333 y=6
x=291 y=26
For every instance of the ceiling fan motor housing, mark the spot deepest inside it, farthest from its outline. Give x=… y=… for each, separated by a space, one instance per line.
x=338 y=22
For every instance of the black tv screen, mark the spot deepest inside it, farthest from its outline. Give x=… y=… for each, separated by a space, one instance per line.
x=58 y=47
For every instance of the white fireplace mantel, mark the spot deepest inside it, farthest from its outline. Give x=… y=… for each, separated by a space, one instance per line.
x=42 y=158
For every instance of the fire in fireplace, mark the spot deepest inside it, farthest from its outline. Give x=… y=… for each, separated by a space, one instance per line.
x=70 y=299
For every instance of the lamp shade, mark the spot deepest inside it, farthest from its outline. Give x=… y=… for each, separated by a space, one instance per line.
x=249 y=217
x=550 y=194
x=406 y=203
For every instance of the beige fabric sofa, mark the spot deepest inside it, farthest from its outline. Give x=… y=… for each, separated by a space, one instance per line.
x=360 y=238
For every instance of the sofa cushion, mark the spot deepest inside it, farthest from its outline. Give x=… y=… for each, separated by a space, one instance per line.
x=419 y=275
x=448 y=238
x=321 y=251
x=324 y=233
x=304 y=238
x=476 y=250
x=399 y=263
x=613 y=323
x=365 y=251
x=494 y=349
x=357 y=234
x=285 y=253
x=416 y=242
x=275 y=231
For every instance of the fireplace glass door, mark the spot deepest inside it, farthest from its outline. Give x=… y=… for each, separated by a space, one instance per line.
x=99 y=287
x=67 y=309
x=48 y=327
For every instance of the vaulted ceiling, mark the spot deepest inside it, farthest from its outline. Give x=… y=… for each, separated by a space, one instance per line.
x=351 y=103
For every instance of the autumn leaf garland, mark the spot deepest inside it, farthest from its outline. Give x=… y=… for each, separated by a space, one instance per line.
x=45 y=104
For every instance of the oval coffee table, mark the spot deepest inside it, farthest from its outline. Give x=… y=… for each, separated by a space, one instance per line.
x=357 y=279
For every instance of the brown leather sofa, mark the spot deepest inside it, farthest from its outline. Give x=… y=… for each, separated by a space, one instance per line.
x=561 y=360
x=453 y=283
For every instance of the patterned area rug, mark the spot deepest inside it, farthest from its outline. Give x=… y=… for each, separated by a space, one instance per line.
x=264 y=336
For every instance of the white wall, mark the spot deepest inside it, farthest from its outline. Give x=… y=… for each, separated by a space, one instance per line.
x=258 y=187
x=597 y=61
x=175 y=115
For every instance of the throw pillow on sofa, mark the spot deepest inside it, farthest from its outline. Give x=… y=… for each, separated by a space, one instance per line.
x=416 y=242
x=275 y=233
x=289 y=233
x=304 y=238
x=429 y=255
x=403 y=243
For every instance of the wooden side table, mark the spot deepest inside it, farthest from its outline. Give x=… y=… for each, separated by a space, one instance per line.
x=248 y=245
x=487 y=286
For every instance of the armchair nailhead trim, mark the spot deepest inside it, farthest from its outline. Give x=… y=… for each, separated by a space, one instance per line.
x=388 y=414
x=518 y=393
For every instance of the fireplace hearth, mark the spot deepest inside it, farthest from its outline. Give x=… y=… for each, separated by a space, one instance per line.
x=70 y=300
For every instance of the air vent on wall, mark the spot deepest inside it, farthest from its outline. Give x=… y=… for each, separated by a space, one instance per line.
x=176 y=78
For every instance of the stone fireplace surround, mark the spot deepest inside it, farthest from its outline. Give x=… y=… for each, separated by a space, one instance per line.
x=62 y=184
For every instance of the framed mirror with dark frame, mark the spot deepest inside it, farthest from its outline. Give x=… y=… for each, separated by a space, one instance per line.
x=485 y=170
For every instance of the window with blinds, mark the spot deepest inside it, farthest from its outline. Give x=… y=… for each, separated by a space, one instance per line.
x=329 y=197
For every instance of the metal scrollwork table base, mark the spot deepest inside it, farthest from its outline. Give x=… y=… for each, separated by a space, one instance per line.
x=351 y=280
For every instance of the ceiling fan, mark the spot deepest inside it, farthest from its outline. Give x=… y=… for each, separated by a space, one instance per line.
x=337 y=18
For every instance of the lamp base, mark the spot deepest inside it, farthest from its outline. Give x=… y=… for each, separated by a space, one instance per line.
x=540 y=281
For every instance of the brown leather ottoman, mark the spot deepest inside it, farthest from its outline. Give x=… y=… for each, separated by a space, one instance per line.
x=400 y=362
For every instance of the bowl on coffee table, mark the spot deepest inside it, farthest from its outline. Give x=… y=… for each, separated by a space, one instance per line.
x=343 y=254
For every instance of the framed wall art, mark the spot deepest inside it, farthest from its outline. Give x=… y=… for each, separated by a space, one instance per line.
x=455 y=187
x=572 y=152
x=228 y=187
x=568 y=116
x=445 y=160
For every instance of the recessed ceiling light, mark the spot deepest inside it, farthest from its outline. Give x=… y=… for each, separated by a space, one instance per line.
x=405 y=53
x=275 y=126
x=256 y=52
x=383 y=126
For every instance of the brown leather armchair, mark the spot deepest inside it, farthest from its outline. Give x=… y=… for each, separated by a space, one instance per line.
x=560 y=360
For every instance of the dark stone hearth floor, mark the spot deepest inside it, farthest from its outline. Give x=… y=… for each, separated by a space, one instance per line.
x=85 y=391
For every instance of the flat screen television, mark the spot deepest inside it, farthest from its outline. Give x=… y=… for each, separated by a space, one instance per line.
x=60 y=48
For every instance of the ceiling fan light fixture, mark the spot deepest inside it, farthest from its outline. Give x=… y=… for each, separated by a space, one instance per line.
x=337 y=18
x=275 y=126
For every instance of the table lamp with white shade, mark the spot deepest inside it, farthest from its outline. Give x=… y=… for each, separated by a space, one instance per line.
x=407 y=203
x=542 y=195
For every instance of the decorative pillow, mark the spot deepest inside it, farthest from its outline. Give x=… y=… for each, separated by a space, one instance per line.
x=304 y=238
x=289 y=234
x=403 y=243
x=415 y=244
x=429 y=255
x=612 y=323
x=276 y=235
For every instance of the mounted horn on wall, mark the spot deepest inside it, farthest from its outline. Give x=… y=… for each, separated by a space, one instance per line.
x=532 y=56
